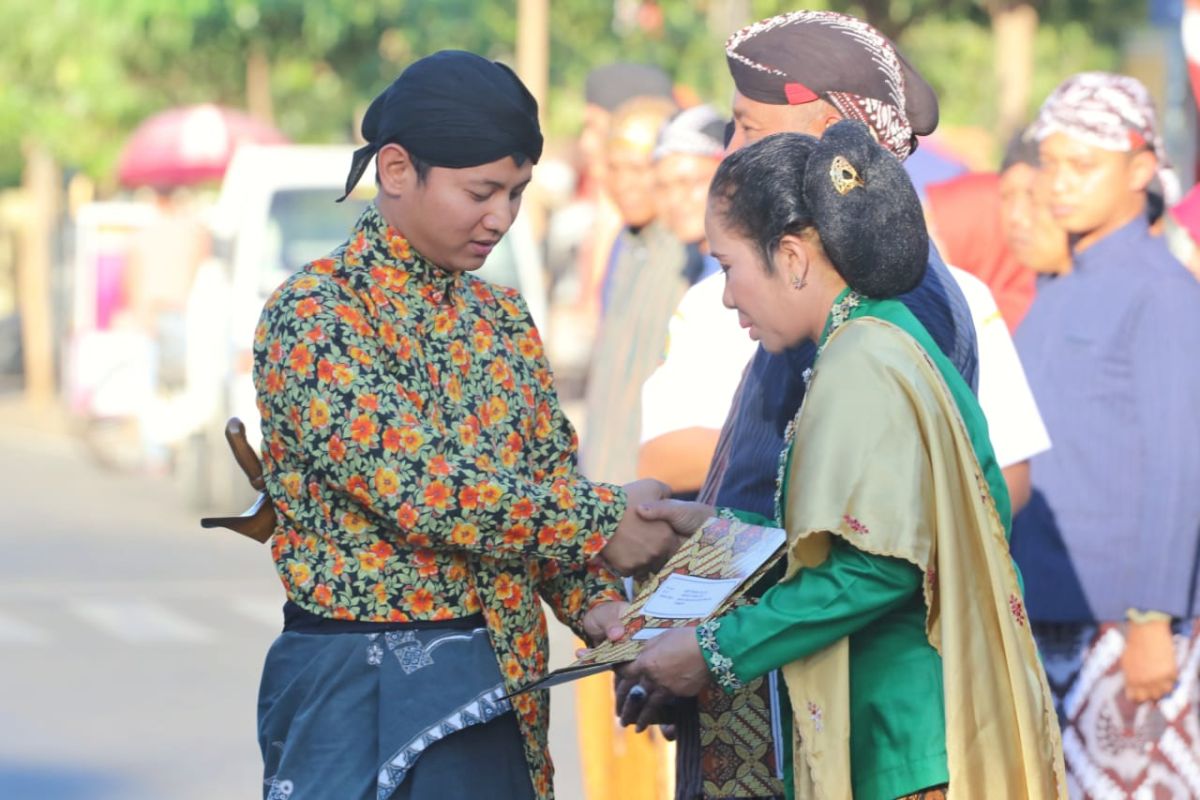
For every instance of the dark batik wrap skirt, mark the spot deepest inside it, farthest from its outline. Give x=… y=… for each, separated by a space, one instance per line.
x=410 y=714
x=1115 y=748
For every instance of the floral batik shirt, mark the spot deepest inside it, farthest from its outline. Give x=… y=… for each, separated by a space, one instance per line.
x=419 y=462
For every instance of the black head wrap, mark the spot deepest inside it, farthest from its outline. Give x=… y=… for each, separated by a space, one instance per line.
x=613 y=84
x=866 y=211
x=803 y=56
x=451 y=109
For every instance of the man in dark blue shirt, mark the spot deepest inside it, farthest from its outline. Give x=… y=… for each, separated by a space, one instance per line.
x=1109 y=544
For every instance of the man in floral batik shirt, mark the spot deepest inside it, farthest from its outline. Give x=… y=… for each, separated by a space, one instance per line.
x=423 y=475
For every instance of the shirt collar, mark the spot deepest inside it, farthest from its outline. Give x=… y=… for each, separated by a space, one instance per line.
x=384 y=256
x=1110 y=250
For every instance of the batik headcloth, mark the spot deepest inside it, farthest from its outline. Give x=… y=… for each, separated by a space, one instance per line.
x=804 y=56
x=1112 y=112
x=451 y=109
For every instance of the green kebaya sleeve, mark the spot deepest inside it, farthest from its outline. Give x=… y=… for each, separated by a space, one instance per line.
x=801 y=616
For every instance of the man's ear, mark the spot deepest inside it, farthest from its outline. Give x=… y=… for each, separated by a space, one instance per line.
x=1142 y=167
x=396 y=172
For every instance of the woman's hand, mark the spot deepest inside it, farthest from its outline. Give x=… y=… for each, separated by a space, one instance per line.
x=1149 y=660
x=671 y=665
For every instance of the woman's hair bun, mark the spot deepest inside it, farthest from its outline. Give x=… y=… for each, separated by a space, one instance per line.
x=867 y=212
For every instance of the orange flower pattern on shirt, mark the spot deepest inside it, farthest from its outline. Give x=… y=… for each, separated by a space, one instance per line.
x=420 y=463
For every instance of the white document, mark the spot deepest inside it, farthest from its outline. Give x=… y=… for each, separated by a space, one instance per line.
x=646 y=634
x=745 y=563
x=688 y=597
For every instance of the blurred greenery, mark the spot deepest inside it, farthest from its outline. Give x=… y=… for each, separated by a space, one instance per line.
x=79 y=75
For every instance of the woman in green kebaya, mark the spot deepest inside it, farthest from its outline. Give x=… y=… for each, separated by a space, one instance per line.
x=899 y=622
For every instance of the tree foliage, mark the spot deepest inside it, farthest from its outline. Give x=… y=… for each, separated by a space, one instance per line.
x=79 y=75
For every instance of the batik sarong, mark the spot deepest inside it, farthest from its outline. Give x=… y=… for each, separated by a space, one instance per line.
x=1116 y=748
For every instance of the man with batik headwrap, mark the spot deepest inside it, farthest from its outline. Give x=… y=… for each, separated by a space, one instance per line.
x=1110 y=543
x=800 y=72
x=423 y=475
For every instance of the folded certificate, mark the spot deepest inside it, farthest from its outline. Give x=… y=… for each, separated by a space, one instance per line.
x=705 y=576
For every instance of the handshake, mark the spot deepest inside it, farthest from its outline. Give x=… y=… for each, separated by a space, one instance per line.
x=652 y=529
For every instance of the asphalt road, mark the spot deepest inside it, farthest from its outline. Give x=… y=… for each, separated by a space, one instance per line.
x=131 y=640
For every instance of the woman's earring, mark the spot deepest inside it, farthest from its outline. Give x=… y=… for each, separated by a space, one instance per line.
x=802 y=281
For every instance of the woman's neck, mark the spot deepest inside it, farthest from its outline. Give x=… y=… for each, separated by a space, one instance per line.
x=825 y=293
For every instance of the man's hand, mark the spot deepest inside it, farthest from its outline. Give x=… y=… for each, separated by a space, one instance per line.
x=603 y=622
x=640 y=547
x=1149 y=660
x=684 y=518
x=671 y=665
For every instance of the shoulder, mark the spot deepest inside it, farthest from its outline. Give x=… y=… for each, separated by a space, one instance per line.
x=865 y=340
x=1167 y=287
x=507 y=302
x=870 y=353
x=503 y=306
x=317 y=290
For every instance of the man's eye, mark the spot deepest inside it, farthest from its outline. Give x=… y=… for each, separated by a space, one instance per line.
x=479 y=198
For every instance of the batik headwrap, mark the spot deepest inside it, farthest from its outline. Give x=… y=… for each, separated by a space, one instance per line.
x=451 y=109
x=804 y=56
x=1112 y=112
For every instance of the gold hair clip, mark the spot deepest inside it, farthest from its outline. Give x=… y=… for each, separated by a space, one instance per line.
x=844 y=176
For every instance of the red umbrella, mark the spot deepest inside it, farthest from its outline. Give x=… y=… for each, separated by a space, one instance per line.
x=189 y=145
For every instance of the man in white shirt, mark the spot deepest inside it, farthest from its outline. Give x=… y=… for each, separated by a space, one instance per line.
x=686 y=400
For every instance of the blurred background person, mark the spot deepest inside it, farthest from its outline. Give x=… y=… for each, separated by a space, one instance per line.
x=685 y=401
x=607 y=89
x=690 y=147
x=1183 y=230
x=164 y=258
x=964 y=217
x=581 y=232
x=1110 y=543
x=644 y=283
x=1034 y=237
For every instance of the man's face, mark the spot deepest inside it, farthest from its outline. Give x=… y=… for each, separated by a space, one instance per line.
x=630 y=177
x=1033 y=237
x=1092 y=191
x=753 y=120
x=456 y=216
x=682 y=182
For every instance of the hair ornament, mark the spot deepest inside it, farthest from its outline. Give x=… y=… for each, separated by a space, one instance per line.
x=844 y=176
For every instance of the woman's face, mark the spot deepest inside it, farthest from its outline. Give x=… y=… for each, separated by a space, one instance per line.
x=769 y=307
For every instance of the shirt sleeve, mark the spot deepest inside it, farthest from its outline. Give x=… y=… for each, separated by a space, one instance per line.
x=706 y=355
x=366 y=432
x=1165 y=342
x=809 y=612
x=571 y=590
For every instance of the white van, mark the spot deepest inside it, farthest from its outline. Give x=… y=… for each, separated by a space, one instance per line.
x=276 y=212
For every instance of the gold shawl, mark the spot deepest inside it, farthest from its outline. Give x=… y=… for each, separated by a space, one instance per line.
x=883 y=459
